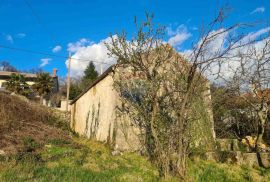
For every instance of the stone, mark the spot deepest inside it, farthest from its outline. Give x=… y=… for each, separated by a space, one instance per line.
x=234 y=144
x=224 y=144
x=264 y=159
x=211 y=156
x=250 y=159
x=48 y=146
x=116 y=153
x=239 y=158
x=2 y=152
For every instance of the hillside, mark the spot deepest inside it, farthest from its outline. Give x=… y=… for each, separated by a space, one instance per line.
x=38 y=146
x=21 y=120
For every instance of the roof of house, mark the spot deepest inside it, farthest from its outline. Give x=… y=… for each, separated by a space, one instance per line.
x=101 y=77
x=9 y=73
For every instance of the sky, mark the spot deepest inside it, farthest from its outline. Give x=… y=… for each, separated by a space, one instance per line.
x=80 y=27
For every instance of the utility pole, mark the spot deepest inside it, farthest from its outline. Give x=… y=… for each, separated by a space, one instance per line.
x=101 y=68
x=68 y=81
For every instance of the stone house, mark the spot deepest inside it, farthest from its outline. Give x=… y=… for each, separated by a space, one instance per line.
x=6 y=75
x=93 y=114
x=30 y=78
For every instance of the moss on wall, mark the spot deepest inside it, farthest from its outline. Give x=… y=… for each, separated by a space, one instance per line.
x=201 y=126
x=91 y=131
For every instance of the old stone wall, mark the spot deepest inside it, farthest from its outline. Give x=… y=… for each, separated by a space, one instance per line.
x=94 y=115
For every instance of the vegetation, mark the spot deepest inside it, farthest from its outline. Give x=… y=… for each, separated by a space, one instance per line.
x=6 y=66
x=17 y=83
x=75 y=89
x=20 y=119
x=84 y=160
x=159 y=88
x=90 y=74
x=234 y=117
x=47 y=152
x=79 y=160
x=77 y=85
x=212 y=172
x=43 y=85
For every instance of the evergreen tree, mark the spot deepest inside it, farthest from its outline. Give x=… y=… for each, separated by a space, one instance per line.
x=90 y=74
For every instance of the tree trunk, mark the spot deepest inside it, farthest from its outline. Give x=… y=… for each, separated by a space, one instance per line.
x=41 y=100
x=162 y=158
x=181 y=161
x=262 y=115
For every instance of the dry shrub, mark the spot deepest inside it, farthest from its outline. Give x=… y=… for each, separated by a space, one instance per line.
x=20 y=119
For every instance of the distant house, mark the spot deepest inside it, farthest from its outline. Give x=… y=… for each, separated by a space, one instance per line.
x=94 y=115
x=30 y=79
x=6 y=75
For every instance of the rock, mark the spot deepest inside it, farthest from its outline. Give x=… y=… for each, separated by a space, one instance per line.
x=2 y=152
x=224 y=144
x=48 y=146
x=264 y=159
x=239 y=158
x=234 y=145
x=227 y=144
x=116 y=152
x=211 y=156
x=250 y=159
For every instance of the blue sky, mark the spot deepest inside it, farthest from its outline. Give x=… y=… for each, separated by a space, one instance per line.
x=77 y=24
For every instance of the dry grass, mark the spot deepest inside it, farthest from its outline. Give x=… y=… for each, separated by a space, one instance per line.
x=21 y=120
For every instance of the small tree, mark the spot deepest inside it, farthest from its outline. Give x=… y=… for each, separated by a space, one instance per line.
x=161 y=91
x=17 y=83
x=43 y=85
x=90 y=74
x=250 y=80
x=75 y=88
x=232 y=115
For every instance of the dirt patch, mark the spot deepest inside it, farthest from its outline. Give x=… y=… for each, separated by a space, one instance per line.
x=20 y=119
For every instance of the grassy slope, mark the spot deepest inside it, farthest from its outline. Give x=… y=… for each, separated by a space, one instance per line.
x=212 y=172
x=84 y=160
x=49 y=154
x=80 y=160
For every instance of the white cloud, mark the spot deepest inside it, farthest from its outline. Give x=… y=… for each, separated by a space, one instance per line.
x=57 y=49
x=21 y=35
x=226 y=67
x=44 y=62
x=75 y=46
x=9 y=38
x=254 y=35
x=86 y=51
x=212 y=46
x=178 y=36
x=258 y=10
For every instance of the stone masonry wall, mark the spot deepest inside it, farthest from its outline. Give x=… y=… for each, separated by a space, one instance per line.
x=94 y=115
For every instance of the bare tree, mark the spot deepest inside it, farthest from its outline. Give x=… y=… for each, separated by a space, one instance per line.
x=6 y=66
x=250 y=80
x=161 y=90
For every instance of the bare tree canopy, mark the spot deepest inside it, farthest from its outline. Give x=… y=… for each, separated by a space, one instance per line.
x=161 y=90
x=6 y=66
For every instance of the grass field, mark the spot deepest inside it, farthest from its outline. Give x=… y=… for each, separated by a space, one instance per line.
x=40 y=147
x=86 y=160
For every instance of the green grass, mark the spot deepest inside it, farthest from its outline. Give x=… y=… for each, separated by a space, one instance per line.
x=81 y=160
x=85 y=160
x=205 y=171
